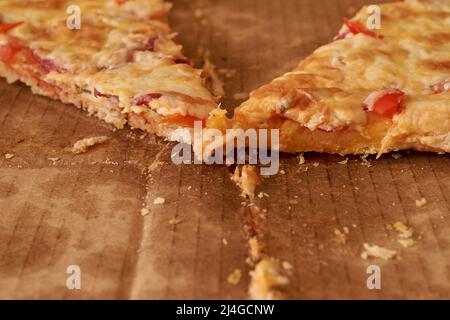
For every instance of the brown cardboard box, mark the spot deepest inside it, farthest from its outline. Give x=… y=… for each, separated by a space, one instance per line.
x=85 y=209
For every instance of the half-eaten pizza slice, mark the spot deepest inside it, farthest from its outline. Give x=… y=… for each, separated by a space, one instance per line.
x=368 y=91
x=121 y=63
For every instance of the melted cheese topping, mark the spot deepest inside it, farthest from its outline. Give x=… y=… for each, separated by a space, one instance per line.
x=123 y=50
x=413 y=56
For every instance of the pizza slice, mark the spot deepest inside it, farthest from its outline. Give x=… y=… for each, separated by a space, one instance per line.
x=122 y=65
x=368 y=91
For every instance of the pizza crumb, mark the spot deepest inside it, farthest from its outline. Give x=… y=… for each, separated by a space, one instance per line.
x=396 y=156
x=282 y=172
x=315 y=164
x=421 y=203
x=224 y=241
x=262 y=195
x=159 y=200
x=254 y=248
x=286 y=265
x=365 y=162
x=235 y=277
x=266 y=280
x=301 y=158
x=144 y=212
x=175 y=221
x=240 y=96
x=405 y=238
x=9 y=156
x=247 y=180
x=82 y=146
x=343 y=161
x=407 y=243
x=53 y=159
x=405 y=232
x=341 y=238
x=375 y=251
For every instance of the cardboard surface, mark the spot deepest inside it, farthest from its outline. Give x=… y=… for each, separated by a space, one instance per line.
x=85 y=210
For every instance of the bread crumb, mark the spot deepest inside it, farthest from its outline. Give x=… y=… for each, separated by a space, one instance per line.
x=247 y=180
x=286 y=265
x=405 y=232
x=159 y=200
x=144 y=212
x=9 y=156
x=262 y=195
x=365 y=162
x=240 y=96
x=266 y=280
x=254 y=248
x=301 y=158
x=224 y=241
x=421 y=203
x=377 y=252
x=407 y=243
x=315 y=164
x=53 y=159
x=405 y=236
x=175 y=221
x=235 y=277
x=341 y=238
x=343 y=161
x=282 y=172
x=82 y=146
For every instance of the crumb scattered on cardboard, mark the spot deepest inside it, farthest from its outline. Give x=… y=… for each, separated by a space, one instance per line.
x=159 y=200
x=235 y=277
x=396 y=156
x=421 y=202
x=405 y=237
x=315 y=164
x=340 y=237
x=266 y=280
x=286 y=265
x=144 y=212
x=175 y=221
x=53 y=159
x=83 y=145
x=405 y=231
x=343 y=161
x=224 y=241
x=262 y=195
x=247 y=180
x=254 y=249
x=301 y=158
x=407 y=243
x=9 y=156
x=364 y=161
x=374 y=251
